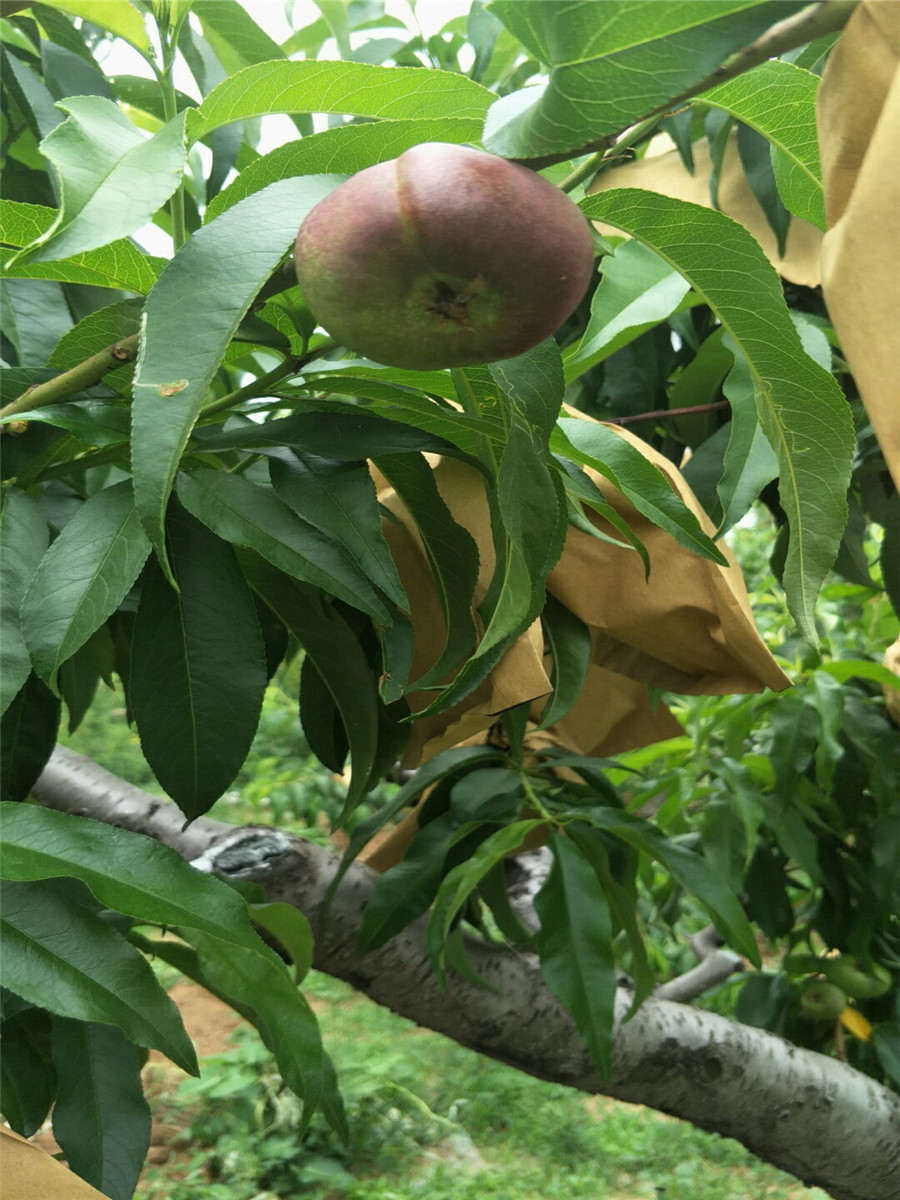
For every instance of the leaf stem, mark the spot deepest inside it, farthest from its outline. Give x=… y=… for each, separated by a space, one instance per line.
x=535 y=801
x=98 y=458
x=259 y=387
x=634 y=136
x=589 y=167
x=170 y=111
x=471 y=404
x=256 y=387
x=76 y=379
x=465 y=395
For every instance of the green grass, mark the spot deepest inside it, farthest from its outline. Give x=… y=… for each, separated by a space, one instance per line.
x=431 y=1119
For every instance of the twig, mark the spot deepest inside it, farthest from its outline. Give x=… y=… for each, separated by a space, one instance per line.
x=713 y=966
x=259 y=387
x=76 y=379
x=811 y=22
x=660 y=414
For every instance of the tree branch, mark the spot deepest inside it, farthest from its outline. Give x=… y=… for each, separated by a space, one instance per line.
x=808 y=23
x=714 y=965
x=76 y=379
x=789 y=1106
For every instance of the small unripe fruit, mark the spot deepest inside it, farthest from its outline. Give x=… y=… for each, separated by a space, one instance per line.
x=846 y=972
x=822 y=1001
x=443 y=257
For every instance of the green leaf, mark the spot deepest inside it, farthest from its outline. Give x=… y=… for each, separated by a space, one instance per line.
x=31 y=95
x=101 y=1119
x=404 y=892
x=101 y=328
x=252 y=516
x=749 y=462
x=486 y=794
x=767 y=901
x=67 y=72
x=533 y=385
x=216 y=286
x=637 y=290
x=801 y=409
x=451 y=552
x=860 y=668
x=198 y=668
x=442 y=766
x=698 y=383
x=83 y=578
x=516 y=598
x=116 y=16
x=607 y=73
x=574 y=944
x=12 y=35
x=112 y=179
x=622 y=900
x=345 y=436
x=262 y=992
x=530 y=501
x=724 y=840
x=121 y=264
x=688 y=868
x=339 y=499
x=27 y=737
x=234 y=36
x=493 y=891
x=778 y=100
x=334 y=650
x=794 y=739
x=755 y=153
x=598 y=446
x=59 y=955
x=581 y=490
x=23 y=540
x=291 y=928
x=285 y=1021
x=95 y=423
x=127 y=872
x=357 y=89
x=80 y=674
x=458 y=884
x=569 y=642
x=343 y=151
x=139 y=92
x=27 y=1078
x=320 y=718
x=39 y=317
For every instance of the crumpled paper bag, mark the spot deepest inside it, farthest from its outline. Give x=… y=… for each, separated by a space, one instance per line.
x=29 y=1173
x=859 y=131
x=688 y=628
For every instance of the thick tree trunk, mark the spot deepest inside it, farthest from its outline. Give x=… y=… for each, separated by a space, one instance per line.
x=811 y=1115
